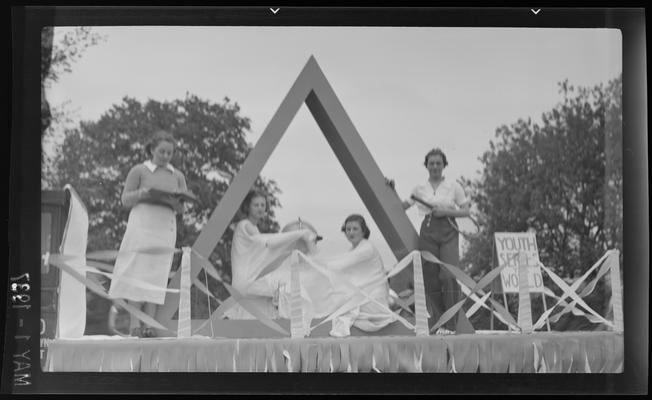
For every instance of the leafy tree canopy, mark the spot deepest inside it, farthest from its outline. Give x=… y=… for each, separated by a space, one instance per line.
x=562 y=178
x=96 y=157
x=57 y=58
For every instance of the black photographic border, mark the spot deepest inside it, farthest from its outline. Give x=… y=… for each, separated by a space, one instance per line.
x=24 y=201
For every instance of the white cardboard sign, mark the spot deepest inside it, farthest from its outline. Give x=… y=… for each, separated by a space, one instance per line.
x=514 y=249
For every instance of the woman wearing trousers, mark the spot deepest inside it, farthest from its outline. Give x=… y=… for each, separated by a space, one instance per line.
x=440 y=201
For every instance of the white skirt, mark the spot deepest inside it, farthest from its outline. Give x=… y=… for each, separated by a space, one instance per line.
x=148 y=226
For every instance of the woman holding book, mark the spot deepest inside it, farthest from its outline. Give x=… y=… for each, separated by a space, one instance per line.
x=439 y=201
x=152 y=223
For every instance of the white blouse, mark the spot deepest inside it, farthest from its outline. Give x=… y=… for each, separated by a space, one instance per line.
x=449 y=194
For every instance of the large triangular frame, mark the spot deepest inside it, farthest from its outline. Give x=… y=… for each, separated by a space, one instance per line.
x=311 y=87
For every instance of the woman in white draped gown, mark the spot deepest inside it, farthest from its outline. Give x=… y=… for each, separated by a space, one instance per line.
x=363 y=268
x=333 y=285
x=252 y=252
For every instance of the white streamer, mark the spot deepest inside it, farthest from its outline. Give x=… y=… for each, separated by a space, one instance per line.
x=134 y=282
x=400 y=266
x=616 y=292
x=356 y=289
x=184 y=321
x=420 y=310
x=570 y=291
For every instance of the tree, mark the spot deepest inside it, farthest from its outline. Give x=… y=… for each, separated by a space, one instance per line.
x=614 y=166
x=211 y=147
x=563 y=179
x=56 y=59
x=46 y=60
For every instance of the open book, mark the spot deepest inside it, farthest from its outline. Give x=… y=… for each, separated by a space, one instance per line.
x=170 y=199
x=181 y=196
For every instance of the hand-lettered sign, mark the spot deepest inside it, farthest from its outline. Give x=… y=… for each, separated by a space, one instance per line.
x=514 y=249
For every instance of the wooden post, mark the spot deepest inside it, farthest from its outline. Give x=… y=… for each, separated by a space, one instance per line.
x=493 y=257
x=616 y=292
x=208 y=298
x=509 y=328
x=492 y=266
x=184 y=329
x=297 y=328
x=524 y=317
x=420 y=310
x=491 y=321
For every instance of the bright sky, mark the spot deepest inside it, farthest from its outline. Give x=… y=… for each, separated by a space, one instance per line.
x=406 y=90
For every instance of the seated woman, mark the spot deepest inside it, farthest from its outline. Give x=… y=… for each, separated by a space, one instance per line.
x=252 y=252
x=362 y=268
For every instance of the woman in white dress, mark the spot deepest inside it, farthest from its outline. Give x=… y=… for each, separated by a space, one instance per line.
x=362 y=267
x=253 y=251
x=149 y=225
x=331 y=285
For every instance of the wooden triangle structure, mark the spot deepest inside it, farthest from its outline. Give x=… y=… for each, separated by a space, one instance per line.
x=382 y=202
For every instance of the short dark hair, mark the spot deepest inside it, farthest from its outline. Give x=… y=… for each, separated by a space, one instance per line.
x=435 y=152
x=156 y=138
x=363 y=224
x=244 y=207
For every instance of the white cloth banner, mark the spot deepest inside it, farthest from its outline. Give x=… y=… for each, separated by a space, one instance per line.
x=71 y=316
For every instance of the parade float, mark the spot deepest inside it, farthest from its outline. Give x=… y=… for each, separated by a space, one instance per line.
x=220 y=344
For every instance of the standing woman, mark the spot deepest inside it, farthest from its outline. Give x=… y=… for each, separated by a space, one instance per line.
x=149 y=225
x=440 y=236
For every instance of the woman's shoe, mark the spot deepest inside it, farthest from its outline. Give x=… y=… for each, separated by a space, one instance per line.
x=137 y=331
x=149 y=332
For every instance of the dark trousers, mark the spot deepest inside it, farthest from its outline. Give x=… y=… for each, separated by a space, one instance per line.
x=442 y=290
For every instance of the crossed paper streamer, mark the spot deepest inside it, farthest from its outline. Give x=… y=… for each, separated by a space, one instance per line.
x=609 y=262
x=296 y=321
x=83 y=265
x=237 y=297
x=184 y=322
x=475 y=288
x=360 y=297
x=62 y=262
x=297 y=330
